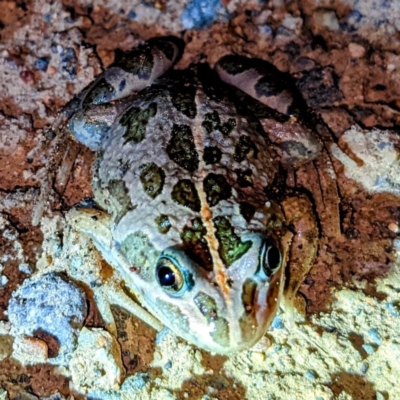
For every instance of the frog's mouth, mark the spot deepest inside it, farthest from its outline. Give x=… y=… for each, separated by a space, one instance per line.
x=192 y=304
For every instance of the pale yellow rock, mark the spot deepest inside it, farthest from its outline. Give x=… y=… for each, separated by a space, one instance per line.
x=29 y=351
x=96 y=362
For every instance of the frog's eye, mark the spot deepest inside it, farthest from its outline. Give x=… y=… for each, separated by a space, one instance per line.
x=270 y=258
x=169 y=276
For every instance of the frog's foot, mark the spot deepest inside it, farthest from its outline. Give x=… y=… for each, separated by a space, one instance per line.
x=284 y=117
x=96 y=224
x=299 y=215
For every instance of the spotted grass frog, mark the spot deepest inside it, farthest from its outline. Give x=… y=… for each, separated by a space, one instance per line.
x=189 y=189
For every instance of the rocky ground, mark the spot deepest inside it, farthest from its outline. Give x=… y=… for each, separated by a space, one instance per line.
x=345 y=58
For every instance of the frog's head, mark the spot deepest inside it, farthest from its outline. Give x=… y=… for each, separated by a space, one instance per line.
x=227 y=307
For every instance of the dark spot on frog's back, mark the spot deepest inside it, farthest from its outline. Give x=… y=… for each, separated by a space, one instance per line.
x=99 y=93
x=152 y=178
x=245 y=147
x=269 y=86
x=183 y=99
x=247 y=210
x=235 y=64
x=211 y=155
x=181 y=148
x=135 y=121
x=184 y=193
x=216 y=188
x=231 y=247
x=163 y=223
x=137 y=62
x=212 y=122
x=244 y=177
x=195 y=244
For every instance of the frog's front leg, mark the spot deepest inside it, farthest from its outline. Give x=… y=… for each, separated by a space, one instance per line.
x=282 y=112
x=96 y=225
x=300 y=218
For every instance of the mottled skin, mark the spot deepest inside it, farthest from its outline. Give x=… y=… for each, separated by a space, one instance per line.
x=186 y=181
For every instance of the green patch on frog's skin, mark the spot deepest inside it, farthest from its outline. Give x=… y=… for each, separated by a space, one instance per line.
x=208 y=307
x=163 y=223
x=135 y=120
x=141 y=254
x=244 y=148
x=195 y=244
x=231 y=248
x=99 y=94
x=184 y=193
x=182 y=149
x=244 y=177
x=183 y=99
x=247 y=210
x=212 y=122
x=138 y=62
x=152 y=178
x=216 y=188
x=211 y=155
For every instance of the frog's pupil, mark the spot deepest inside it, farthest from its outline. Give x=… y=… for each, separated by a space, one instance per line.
x=166 y=276
x=273 y=258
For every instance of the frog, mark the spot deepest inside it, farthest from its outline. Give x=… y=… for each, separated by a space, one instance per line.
x=190 y=201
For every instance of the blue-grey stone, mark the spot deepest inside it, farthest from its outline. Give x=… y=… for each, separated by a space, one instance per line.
x=51 y=303
x=201 y=13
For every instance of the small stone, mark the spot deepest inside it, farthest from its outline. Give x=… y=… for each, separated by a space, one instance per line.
x=356 y=50
x=3 y=280
x=27 y=77
x=29 y=351
x=42 y=63
x=375 y=337
x=51 y=303
x=364 y=368
x=327 y=19
x=391 y=67
x=96 y=362
x=369 y=349
x=3 y=394
x=394 y=227
x=25 y=269
x=257 y=357
x=310 y=375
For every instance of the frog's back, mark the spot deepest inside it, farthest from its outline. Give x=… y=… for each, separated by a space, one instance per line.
x=181 y=150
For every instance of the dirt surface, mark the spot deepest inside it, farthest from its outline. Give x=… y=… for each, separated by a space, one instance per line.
x=345 y=59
